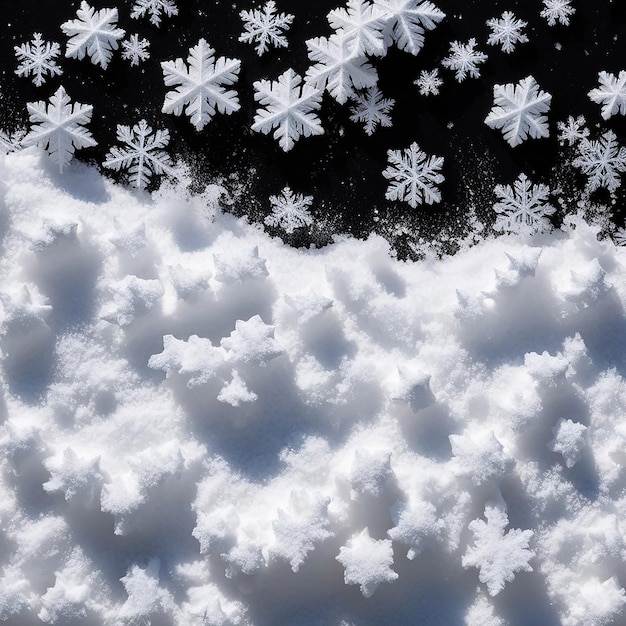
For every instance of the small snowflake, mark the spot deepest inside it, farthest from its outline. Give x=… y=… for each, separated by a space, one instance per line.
x=154 y=8
x=572 y=130
x=135 y=49
x=372 y=109
x=602 y=161
x=569 y=441
x=290 y=211
x=464 y=59
x=611 y=94
x=557 y=11
x=265 y=27
x=619 y=236
x=429 y=82
x=38 y=58
x=506 y=31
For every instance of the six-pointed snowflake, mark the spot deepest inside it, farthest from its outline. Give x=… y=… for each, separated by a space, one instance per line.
x=289 y=109
x=59 y=127
x=464 y=59
x=362 y=24
x=135 y=49
x=372 y=109
x=265 y=27
x=429 y=82
x=602 y=161
x=93 y=33
x=611 y=94
x=143 y=155
x=523 y=208
x=506 y=31
x=154 y=8
x=200 y=91
x=572 y=130
x=38 y=58
x=519 y=111
x=557 y=11
x=413 y=176
x=290 y=211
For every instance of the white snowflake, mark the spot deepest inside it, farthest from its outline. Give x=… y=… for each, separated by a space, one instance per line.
x=143 y=155
x=265 y=27
x=464 y=59
x=362 y=24
x=414 y=176
x=93 y=34
x=200 y=90
x=135 y=49
x=506 y=31
x=10 y=142
x=38 y=58
x=429 y=82
x=289 y=109
x=523 y=208
x=154 y=8
x=372 y=109
x=602 y=161
x=407 y=21
x=557 y=11
x=290 y=211
x=59 y=127
x=497 y=555
x=569 y=441
x=611 y=94
x=338 y=67
x=519 y=111
x=572 y=130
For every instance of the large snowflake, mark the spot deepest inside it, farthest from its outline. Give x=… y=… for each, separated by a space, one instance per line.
x=93 y=33
x=413 y=176
x=265 y=27
x=59 y=127
x=523 y=208
x=38 y=58
x=143 y=155
x=557 y=11
x=371 y=109
x=154 y=8
x=290 y=211
x=289 y=109
x=519 y=111
x=602 y=161
x=200 y=91
x=611 y=93
x=362 y=24
x=506 y=31
x=464 y=59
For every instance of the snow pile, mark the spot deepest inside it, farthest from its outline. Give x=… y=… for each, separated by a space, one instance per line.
x=200 y=425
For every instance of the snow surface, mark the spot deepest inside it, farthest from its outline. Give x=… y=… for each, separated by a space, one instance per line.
x=201 y=425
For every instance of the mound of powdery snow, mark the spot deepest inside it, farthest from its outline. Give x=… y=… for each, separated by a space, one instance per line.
x=202 y=426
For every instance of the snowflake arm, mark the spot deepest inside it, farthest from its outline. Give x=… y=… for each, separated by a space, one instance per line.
x=93 y=34
x=59 y=127
x=602 y=161
x=557 y=11
x=10 y=142
x=290 y=211
x=135 y=49
x=361 y=24
x=572 y=130
x=506 y=32
x=265 y=27
x=464 y=59
x=143 y=155
x=155 y=8
x=429 y=82
x=372 y=109
x=200 y=87
x=519 y=111
x=289 y=109
x=413 y=176
x=523 y=208
x=38 y=58
x=611 y=94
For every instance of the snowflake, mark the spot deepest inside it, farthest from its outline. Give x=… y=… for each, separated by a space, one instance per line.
x=497 y=555
x=506 y=31
x=372 y=109
x=339 y=68
x=93 y=34
x=290 y=211
x=38 y=58
x=154 y=8
x=572 y=130
x=569 y=441
x=413 y=176
x=200 y=88
x=361 y=24
x=60 y=127
x=464 y=59
x=265 y=27
x=602 y=161
x=523 y=208
x=407 y=20
x=135 y=49
x=611 y=94
x=429 y=82
x=289 y=108
x=143 y=154
x=557 y=11
x=10 y=142
x=252 y=341
x=519 y=111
